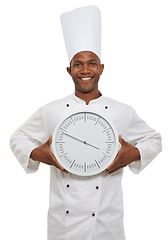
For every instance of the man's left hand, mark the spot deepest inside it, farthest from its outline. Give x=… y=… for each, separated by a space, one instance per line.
x=125 y=156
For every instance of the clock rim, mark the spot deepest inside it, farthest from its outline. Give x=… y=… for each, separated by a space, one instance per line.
x=96 y=171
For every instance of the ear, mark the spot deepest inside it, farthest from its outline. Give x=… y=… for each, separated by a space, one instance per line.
x=101 y=68
x=69 y=70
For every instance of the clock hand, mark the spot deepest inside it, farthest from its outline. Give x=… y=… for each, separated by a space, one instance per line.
x=80 y=140
x=73 y=137
x=91 y=145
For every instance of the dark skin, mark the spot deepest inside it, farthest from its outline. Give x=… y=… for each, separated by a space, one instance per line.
x=85 y=70
x=86 y=65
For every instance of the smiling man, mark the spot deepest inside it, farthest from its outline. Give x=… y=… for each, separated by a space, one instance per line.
x=89 y=208
x=85 y=71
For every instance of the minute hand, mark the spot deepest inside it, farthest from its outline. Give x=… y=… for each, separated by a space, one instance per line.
x=74 y=137
x=80 y=140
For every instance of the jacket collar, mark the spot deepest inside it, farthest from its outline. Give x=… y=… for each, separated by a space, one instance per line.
x=79 y=100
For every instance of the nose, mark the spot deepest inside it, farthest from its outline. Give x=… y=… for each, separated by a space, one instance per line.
x=85 y=69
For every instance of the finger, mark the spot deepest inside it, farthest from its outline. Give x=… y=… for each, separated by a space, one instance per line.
x=50 y=140
x=110 y=172
x=121 y=140
x=117 y=167
x=54 y=160
x=112 y=166
x=57 y=164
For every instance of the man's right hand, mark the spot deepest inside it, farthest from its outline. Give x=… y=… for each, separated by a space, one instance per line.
x=44 y=154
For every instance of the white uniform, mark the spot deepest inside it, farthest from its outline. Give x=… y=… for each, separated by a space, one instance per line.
x=87 y=207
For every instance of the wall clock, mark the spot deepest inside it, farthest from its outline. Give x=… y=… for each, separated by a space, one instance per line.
x=85 y=143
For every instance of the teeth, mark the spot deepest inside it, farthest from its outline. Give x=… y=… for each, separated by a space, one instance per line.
x=85 y=79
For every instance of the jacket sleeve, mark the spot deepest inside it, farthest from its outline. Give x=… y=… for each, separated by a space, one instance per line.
x=29 y=136
x=147 y=141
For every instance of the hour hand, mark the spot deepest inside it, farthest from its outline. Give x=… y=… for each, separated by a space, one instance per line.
x=90 y=145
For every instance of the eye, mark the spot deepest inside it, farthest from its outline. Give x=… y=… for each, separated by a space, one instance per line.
x=77 y=64
x=92 y=63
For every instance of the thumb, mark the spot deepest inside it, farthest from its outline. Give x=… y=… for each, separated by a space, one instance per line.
x=50 y=140
x=121 y=140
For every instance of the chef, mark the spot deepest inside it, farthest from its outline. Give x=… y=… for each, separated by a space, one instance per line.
x=89 y=208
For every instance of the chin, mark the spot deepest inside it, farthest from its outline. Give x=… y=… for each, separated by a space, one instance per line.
x=85 y=90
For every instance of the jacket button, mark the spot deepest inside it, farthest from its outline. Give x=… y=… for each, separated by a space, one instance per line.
x=67 y=185
x=106 y=107
x=97 y=187
x=93 y=214
x=67 y=105
x=67 y=212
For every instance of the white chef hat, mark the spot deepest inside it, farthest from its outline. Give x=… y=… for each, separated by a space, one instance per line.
x=82 y=30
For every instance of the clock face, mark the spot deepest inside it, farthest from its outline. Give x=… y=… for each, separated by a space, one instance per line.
x=85 y=143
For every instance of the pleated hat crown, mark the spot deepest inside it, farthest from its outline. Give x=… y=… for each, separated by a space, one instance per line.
x=82 y=30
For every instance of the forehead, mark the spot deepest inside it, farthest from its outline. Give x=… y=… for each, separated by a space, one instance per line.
x=85 y=56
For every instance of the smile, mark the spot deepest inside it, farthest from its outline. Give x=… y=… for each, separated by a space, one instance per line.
x=86 y=79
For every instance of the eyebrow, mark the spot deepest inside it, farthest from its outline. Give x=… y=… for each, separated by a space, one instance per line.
x=78 y=61
x=91 y=60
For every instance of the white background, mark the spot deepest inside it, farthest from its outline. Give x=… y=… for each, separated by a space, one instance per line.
x=33 y=63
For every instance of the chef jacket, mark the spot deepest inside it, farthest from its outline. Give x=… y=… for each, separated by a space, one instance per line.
x=89 y=208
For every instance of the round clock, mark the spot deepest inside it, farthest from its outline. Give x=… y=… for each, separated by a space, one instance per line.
x=85 y=143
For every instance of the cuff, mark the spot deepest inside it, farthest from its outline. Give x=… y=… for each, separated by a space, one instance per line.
x=30 y=166
x=137 y=166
